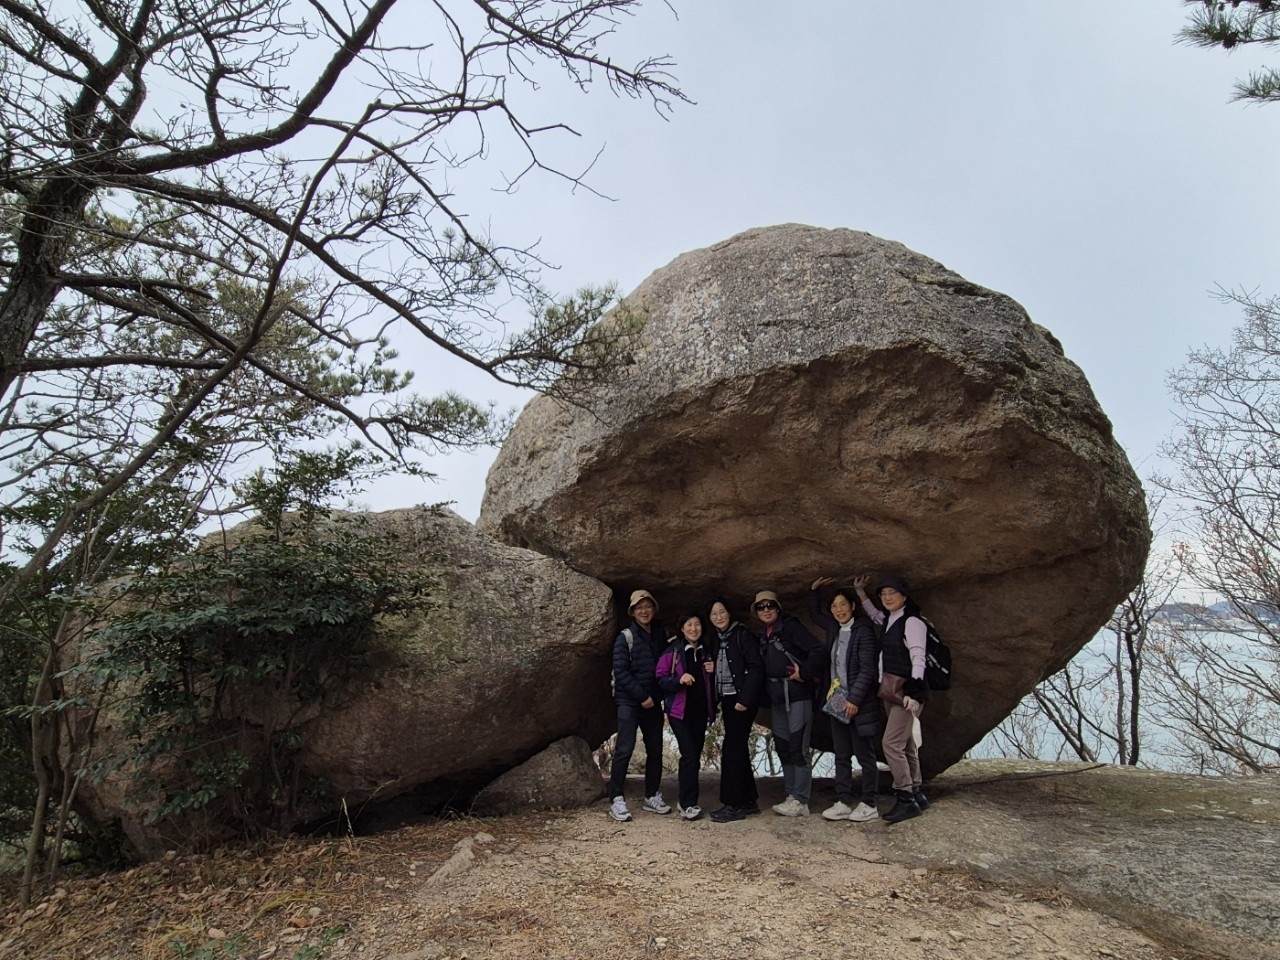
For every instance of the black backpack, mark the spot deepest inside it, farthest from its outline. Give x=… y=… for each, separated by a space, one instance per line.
x=937 y=659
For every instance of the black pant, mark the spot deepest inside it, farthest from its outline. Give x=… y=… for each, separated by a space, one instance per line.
x=848 y=743
x=691 y=734
x=650 y=724
x=737 y=779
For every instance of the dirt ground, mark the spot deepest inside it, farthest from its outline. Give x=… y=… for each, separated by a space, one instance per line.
x=1013 y=860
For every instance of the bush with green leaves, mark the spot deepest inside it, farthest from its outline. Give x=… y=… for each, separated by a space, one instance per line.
x=229 y=651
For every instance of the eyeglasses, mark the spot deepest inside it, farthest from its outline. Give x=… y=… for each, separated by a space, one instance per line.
x=766 y=605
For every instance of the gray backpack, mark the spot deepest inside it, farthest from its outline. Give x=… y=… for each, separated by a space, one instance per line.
x=631 y=645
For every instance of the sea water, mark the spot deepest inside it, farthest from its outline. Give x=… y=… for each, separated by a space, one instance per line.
x=1158 y=730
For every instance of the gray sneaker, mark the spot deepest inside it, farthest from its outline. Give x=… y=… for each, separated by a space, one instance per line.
x=690 y=813
x=838 y=811
x=791 y=807
x=656 y=804
x=864 y=812
x=618 y=810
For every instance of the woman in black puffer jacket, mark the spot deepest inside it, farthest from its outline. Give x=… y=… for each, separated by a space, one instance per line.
x=854 y=661
x=739 y=681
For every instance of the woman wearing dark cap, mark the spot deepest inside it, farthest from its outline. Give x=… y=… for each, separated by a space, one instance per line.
x=739 y=681
x=902 y=688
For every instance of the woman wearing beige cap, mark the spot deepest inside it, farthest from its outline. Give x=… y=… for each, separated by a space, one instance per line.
x=793 y=660
x=639 y=701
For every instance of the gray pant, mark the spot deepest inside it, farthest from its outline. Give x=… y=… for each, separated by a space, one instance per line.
x=900 y=749
x=791 y=731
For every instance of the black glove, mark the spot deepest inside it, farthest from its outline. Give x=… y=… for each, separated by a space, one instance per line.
x=917 y=690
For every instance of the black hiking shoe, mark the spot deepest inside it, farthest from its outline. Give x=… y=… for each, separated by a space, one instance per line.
x=921 y=800
x=750 y=809
x=727 y=814
x=904 y=809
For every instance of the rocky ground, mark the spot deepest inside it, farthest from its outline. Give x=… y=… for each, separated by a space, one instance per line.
x=1013 y=860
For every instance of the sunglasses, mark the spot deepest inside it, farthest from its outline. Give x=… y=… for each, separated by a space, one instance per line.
x=766 y=605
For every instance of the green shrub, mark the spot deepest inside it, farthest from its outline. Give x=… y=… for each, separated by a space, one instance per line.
x=232 y=649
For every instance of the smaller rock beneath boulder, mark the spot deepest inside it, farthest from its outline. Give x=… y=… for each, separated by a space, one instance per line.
x=563 y=775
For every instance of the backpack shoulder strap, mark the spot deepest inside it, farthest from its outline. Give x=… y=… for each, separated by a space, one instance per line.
x=929 y=631
x=776 y=640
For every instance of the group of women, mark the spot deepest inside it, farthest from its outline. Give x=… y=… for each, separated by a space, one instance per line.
x=868 y=679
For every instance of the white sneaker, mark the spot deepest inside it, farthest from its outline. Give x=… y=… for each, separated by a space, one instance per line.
x=618 y=810
x=837 y=811
x=791 y=807
x=656 y=804
x=863 y=813
x=690 y=813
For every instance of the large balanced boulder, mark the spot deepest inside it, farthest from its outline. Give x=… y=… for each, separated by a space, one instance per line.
x=809 y=402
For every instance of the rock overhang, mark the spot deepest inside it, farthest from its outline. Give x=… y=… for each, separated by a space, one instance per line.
x=815 y=402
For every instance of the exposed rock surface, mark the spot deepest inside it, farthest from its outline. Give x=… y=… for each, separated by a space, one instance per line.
x=561 y=777
x=511 y=656
x=508 y=654
x=1186 y=864
x=1190 y=859
x=815 y=402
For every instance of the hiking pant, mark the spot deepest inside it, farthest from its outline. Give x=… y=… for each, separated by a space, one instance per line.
x=900 y=748
x=737 y=779
x=649 y=723
x=691 y=734
x=848 y=743
x=791 y=731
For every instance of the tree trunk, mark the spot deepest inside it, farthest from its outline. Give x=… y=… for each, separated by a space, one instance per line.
x=43 y=750
x=35 y=843
x=42 y=248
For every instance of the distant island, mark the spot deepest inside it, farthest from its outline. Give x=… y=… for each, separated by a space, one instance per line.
x=1225 y=615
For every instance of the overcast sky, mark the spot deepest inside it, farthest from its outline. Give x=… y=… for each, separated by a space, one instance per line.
x=1071 y=155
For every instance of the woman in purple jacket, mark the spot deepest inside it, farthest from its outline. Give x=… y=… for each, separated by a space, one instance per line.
x=684 y=674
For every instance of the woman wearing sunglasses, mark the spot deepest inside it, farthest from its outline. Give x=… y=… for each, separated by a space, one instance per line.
x=793 y=662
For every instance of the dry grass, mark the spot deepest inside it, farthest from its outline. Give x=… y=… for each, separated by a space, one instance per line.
x=294 y=889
